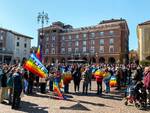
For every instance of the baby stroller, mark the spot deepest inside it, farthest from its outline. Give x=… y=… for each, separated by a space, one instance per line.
x=136 y=94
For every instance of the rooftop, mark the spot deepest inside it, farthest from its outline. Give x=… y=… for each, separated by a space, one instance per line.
x=68 y=28
x=145 y=23
x=16 y=33
x=111 y=20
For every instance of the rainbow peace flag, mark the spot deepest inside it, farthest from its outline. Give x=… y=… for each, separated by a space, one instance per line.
x=36 y=67
x=98 y=73
x=39 y=53
x=67 y=77
x=113 y=81
x=57 y=89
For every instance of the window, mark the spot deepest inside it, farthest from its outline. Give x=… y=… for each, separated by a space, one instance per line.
x=62 y=44
x=69 y=37
x=1 y=45
x=53 y=38
x=101 y=33
x=1 y=37
x=101 y=42
x=62 y=50
x=77 y=37
x=111 y=41
x=92 y=42
x=18 y=38
x=52 y=44
x=84 y=43
x=76 y=50
x=17 y=51
x=25 y=45
x=101 y=50
x=111 y=49
x=53 y=50
x=92 y=35
x=17 y=44
x=63 y=38
x=69 y=44
x=47 y=46
x=77 y=43
x=84 y=49
x=25 y=52
x=111 y=32
x=47 y=51
x=69 y=50
x=84 y=35
x=92 y=49
x=47 y=38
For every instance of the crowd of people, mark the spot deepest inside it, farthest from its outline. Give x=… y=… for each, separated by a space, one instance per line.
x=14 y=79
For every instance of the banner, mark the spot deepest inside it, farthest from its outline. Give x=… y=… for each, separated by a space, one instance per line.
x=36 y=67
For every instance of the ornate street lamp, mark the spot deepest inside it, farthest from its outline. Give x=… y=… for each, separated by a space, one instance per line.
x=42 y=18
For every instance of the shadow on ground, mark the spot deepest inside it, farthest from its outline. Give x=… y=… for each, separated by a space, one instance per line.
x=32 y=108
x=110 y=96
x=77 y=106
x=87 y=102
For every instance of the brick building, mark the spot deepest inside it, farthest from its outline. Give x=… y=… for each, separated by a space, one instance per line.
x=106 y=42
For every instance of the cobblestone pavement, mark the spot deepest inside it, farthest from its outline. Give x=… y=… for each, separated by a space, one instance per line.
x=75 y=103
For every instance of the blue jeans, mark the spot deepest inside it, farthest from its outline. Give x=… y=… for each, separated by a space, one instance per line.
x=107 y=87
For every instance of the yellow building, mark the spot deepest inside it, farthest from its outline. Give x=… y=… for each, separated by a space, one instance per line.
x=143 y=34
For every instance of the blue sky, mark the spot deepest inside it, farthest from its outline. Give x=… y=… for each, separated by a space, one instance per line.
x=21 y=15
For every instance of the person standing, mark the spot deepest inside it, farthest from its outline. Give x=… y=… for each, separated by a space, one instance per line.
x=10 y=85
x=99 y=79
x=4 y=90
x=42 y=82
x=86 y=80
x=106 y=80
x=17 y=89
x=147 y=82
x=31 y=79
x=77 y=78
x=118 y=77
x=4 y=87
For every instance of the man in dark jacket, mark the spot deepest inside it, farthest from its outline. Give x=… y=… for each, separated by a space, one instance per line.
x=17 y=87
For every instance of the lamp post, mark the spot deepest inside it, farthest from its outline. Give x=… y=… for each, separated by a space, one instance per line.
x=96 y=55
x=42 y=18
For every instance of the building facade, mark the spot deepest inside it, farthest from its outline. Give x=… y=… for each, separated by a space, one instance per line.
x=133 y=56
x=106 y=42
x=13 y=46
x=143 y=34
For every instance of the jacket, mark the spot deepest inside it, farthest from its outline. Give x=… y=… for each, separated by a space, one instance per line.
x=3 y=80
x=147 y=80
x=99 y=79
x=17 y=82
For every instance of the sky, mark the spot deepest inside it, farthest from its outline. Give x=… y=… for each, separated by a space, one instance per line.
x=21 y=15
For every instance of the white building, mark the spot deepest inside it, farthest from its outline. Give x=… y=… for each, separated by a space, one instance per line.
x=13 y=46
